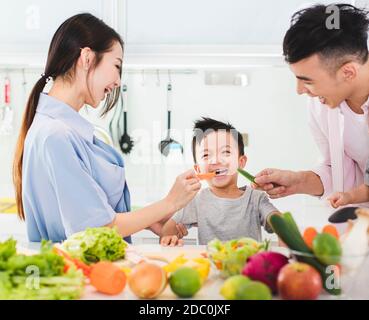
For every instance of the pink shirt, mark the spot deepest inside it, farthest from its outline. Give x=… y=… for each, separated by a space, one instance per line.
x=342 y=137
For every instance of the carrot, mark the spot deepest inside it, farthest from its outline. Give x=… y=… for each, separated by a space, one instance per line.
x=218 y=265
x=309 y=235
x=108 y=278
x=83 y=266
x=69 y=260
x=206 y=176
x=332 y=230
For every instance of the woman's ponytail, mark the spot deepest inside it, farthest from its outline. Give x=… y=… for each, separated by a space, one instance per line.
x=27 y=120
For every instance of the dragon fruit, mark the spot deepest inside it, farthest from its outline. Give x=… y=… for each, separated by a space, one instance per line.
x=264 y=267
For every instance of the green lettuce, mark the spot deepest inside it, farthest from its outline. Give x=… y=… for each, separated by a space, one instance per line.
x=96 y=244
x=39 y=276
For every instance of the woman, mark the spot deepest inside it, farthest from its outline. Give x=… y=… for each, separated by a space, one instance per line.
x=65 y=178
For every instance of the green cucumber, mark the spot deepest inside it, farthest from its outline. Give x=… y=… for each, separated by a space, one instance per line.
x=287 y=216
x=287 y=230
x=247 y=175
x=288 y=234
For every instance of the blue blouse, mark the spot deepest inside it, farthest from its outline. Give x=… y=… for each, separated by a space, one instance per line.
x=71 y=179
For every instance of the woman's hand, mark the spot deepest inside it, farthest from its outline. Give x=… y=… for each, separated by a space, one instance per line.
x=183 y=190
x=339 y=199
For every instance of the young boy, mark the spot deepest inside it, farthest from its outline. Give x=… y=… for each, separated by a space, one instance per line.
x=223 y=210
x=356 y=195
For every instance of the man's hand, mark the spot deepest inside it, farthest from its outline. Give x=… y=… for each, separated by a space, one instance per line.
x=281 y=183
x=277 y=183
x=339 y=199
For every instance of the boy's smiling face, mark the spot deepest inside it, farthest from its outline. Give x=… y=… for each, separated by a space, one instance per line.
x=218 y=150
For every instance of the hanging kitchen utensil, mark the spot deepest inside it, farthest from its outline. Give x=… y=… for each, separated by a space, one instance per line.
x=125 y=142
x=2 y=113
x=343 y=215
x=24 y=85
x=115 y=122
x=8 y=113
x=168 y=143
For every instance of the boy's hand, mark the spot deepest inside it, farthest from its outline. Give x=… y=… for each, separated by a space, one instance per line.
x=181 y=230
x=171 y=241
x=339 y=199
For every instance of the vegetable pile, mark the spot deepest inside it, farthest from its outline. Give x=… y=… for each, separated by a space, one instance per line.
x=230 y=257
x=41 y=276
x=61 y=272
x=311 y=250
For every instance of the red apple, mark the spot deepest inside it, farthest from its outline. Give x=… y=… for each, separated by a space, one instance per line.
x=299 y=281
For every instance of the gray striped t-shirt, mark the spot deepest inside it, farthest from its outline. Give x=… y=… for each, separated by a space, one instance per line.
x=227 y=219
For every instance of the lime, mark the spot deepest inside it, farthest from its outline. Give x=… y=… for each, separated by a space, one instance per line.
x=185 y=282
x=327 y=249
x=254 y=290
x=232 y=285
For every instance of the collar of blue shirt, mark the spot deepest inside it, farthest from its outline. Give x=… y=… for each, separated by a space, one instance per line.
x=57 y=109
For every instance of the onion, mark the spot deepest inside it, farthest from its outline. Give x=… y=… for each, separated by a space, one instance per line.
x=147 y=280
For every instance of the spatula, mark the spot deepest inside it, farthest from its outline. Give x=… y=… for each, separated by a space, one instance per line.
x=126 y=143
x=342 y=215
x=169 y=143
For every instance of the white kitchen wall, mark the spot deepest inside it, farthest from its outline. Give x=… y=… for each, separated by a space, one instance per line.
x=268 y=110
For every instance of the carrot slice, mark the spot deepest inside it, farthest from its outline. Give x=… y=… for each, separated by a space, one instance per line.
x=309 y=235
x=206 y=176
x=108 y=278
x=332 y=230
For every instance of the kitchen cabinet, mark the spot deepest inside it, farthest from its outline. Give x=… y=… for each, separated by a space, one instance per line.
x=214 y=32
x=27 y=26
x=164 y=33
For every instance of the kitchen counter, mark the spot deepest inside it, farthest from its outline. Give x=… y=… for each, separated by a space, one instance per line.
x=359 y=288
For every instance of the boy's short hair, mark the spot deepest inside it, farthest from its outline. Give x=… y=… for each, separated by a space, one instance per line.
x=205 y=126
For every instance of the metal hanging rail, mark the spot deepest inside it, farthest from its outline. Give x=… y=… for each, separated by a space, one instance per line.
x=129 y=70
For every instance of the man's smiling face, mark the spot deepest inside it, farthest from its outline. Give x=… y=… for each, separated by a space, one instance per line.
x=316 y=79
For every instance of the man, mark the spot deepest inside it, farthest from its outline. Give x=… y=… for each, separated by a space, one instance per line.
x=331 y=66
